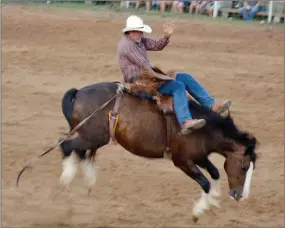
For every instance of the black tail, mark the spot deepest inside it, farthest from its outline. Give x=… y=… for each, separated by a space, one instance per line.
x=67 y=105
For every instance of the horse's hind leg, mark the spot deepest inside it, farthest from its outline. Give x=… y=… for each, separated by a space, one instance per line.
x=69 y=164
x=87 y=167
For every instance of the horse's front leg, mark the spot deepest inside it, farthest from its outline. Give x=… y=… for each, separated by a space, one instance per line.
x=215 y=175
x=215 y=190
x=189 y=168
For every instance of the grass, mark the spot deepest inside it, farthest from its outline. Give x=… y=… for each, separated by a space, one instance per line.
x=185 y=16
x=111 y=7
x=167 y=15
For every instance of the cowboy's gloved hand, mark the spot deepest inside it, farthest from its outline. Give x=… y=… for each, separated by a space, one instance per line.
x=169 y=28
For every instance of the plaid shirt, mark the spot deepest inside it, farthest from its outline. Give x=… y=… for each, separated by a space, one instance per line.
x=132 y=55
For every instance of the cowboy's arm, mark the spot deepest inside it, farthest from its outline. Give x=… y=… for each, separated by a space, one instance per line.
x=156 y=44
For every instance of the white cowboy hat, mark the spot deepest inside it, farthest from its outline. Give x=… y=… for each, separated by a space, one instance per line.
x=134 y=23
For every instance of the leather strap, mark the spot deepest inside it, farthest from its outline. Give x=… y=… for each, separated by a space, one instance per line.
x=113 y=118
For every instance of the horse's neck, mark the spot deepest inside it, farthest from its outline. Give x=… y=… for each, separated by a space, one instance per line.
x=224 y=145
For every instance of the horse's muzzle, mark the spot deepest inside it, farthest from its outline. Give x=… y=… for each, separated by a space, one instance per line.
x=236 y=193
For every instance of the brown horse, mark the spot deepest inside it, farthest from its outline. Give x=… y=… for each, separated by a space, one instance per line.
x=142 y=130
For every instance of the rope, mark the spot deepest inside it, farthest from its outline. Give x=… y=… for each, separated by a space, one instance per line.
x=60 y=142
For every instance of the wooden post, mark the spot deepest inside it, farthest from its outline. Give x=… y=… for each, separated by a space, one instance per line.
x=127 y=4
x=270 y=11
x=215 y=12
x=278 y=11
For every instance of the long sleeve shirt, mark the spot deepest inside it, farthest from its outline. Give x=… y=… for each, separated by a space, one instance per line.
x=132 y=55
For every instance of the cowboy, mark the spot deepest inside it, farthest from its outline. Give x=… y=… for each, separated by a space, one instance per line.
x=132 y=57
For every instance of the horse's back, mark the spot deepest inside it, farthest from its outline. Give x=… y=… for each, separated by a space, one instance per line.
x=141 y=127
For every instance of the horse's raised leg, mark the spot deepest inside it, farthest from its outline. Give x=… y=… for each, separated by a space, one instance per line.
x=189 y=168
x=69 y=166
x=215 y=190
x=69 y=169
x=69 y=163
x=88 y=169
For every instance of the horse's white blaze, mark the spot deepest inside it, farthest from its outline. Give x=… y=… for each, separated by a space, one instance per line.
x=69 y=170
x=246 y=187
x=89 y=172
x=215 y=188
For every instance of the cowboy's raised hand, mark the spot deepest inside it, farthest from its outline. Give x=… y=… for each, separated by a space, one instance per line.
x=169 y=28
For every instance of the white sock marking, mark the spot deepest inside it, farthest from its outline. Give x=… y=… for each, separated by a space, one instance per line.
x=69 y=167
x=204 y=203
x=89 y=172
x=201 y=205
x=212 y=201
x=215 y=188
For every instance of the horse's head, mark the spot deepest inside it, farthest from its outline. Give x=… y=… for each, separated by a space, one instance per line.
x=239 y=166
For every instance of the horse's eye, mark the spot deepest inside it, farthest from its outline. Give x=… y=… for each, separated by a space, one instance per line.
x=243 y=168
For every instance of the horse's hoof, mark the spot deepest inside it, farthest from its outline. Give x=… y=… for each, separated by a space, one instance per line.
x=195 y=218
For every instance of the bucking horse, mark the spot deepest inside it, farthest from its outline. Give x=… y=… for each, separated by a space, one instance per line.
x=148 y=127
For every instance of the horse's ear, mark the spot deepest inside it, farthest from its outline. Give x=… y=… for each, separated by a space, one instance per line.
x=252 y=141
x=251 y=146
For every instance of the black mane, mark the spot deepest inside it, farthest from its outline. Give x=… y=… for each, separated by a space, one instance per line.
x=227 y=127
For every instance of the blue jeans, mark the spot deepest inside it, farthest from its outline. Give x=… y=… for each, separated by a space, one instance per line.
x=176 y=89
x=249 y=15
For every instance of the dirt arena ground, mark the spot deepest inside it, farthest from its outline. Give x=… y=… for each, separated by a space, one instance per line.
x=46 y=51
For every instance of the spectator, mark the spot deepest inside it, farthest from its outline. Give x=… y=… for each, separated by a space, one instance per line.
x=147 y=3
x=237 y=4
x=221 y=4
x=178 y=6
x=163 y=4
x=203 y=6
x=194 y=6
x=207 y=6
x=249 y=9
x=154 y=3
